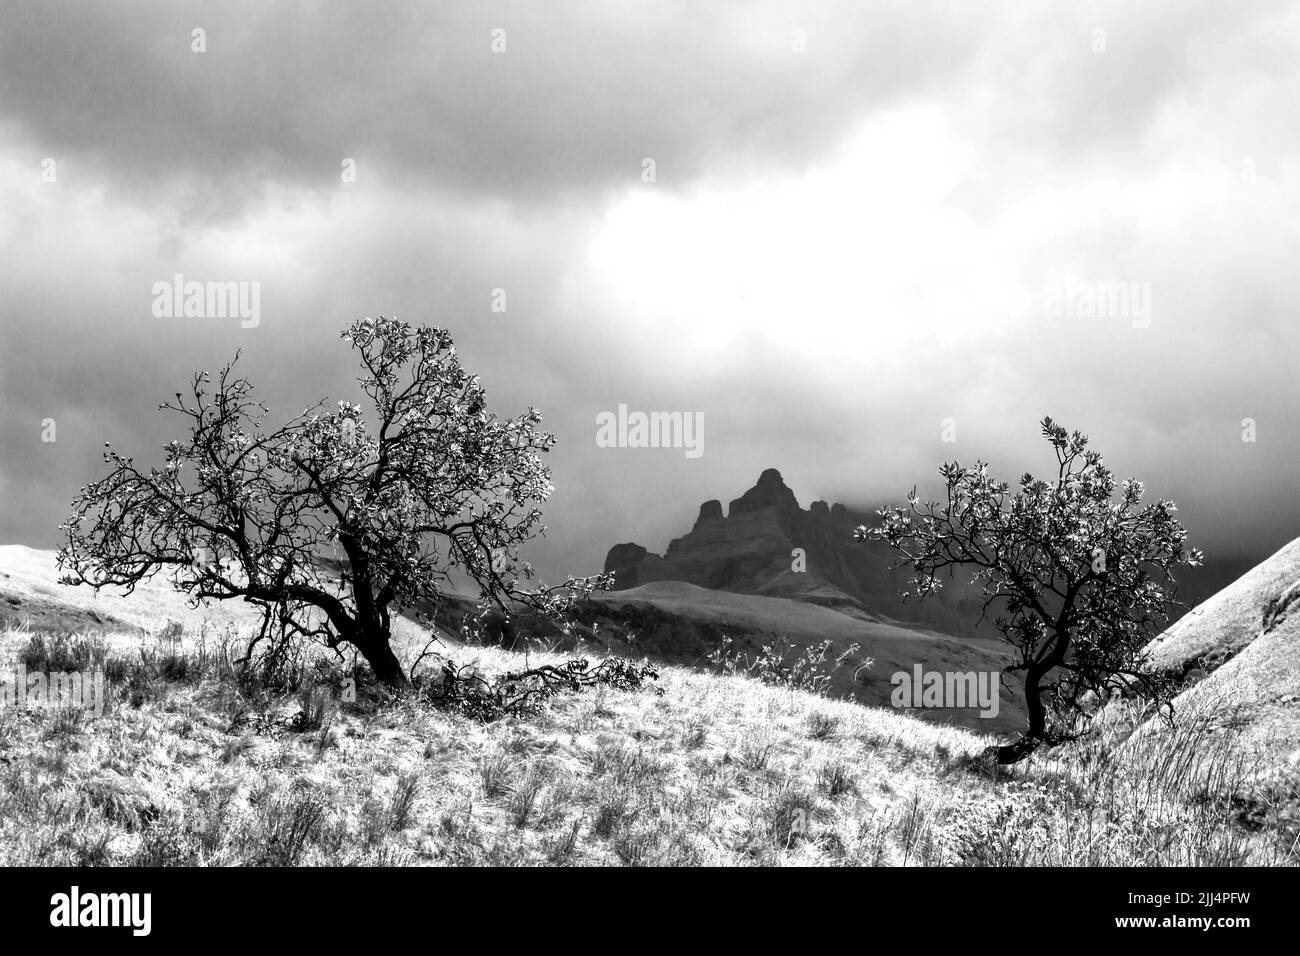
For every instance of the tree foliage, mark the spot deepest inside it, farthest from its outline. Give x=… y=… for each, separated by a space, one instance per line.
x=1078 y=569
x=426 y=486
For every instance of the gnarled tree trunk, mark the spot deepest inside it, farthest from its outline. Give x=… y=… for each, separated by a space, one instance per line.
x=376 y=647
x=1033 y=736
x=1034 y=674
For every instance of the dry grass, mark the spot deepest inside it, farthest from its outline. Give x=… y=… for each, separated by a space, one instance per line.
x=717 y=770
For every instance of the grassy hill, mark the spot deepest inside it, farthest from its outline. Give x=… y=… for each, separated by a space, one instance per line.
x=891 y=645
x=187 y=764
x=678 y=623
x=1239 y=654
x=1222 y=626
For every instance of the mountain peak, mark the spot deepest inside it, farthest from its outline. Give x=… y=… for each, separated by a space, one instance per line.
x=709 y=511
x=771 y=491
x=768 y=545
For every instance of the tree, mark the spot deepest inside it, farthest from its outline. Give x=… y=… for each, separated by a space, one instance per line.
x=1083 y=577
x=436 y=486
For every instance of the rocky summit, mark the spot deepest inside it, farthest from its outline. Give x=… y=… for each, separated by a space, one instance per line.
x=767 y=544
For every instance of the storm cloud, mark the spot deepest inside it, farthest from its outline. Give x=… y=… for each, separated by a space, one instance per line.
x=858 y=217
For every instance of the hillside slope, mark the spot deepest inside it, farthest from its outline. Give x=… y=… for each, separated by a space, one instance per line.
x=30 y=592
x=1225 y=624
x=891 y=646
x=1238 y=655
x=31 y=596
x=188 y=765
x=671 y=622
x=678 y=623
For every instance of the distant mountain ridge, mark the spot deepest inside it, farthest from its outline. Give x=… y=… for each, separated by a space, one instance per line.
x=752 y=550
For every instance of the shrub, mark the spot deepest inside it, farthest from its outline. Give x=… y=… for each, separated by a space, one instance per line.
x=783 y=664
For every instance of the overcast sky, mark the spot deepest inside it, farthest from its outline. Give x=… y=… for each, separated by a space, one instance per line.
x=859 y=215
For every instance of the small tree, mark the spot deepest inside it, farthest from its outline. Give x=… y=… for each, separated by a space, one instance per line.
x=1082 y=576
x=436 y=485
